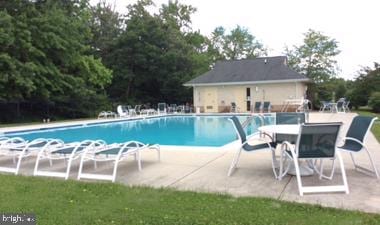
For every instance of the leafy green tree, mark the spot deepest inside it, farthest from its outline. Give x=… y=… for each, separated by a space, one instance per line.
x=155 y=55
x=238 y=44
x=315 y=57
x=45 y=58
x=367 y=82
x=374 y=102
x=106 y=26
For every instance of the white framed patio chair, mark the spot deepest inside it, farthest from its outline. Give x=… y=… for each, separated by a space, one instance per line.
x=257 y=107
x=325 y=106
x=340 y=106
x=61 y=151
x=346 y=106
x=19 y=149
x=114 y=153
x=267 y=107
x=245 y=146
x=161 y=108
x=122 y=111
x=315 y=142
x=354 y=142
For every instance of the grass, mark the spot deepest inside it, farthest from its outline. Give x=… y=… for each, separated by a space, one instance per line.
x=376 y=126
x=71 y=202
x=40 y=122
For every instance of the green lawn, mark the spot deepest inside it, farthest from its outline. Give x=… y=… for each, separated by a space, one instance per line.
x=71 y=202
x=40 y=122
x=376 y=127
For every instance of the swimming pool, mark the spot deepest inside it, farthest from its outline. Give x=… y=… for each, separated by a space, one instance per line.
x=167 y=130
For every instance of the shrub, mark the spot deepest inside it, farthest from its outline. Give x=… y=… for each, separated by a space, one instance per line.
x=374 y=102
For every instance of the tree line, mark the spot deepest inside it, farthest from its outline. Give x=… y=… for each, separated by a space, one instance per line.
x=68 y=59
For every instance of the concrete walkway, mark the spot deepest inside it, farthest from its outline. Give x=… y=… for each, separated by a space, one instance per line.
x=205 y=170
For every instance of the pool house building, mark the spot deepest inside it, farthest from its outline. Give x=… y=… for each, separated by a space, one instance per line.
x=245 y=82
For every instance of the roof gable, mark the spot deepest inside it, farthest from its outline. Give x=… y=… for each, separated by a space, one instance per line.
x=263 y=69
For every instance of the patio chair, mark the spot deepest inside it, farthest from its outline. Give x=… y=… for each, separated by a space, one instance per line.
x=131 y=110
x=258 y=107
x=114 y=153
x=67 y=152
x=234 y=108
x=325 y=106
x=266 y=107
x=137 y=109
x=161 y=108
x=20 y=149
x=354 y=142
x=288 y=118
x=346 y=106
x=340 y=106
x=245 y=146
x=315 y=141
x=122 y=111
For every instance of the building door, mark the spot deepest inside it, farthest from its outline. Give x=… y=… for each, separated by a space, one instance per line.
x=248 y=94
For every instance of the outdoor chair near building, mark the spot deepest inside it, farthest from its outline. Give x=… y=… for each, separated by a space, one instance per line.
x=314 y=142
x=62 y=151
x=354 y=142
x=234 y=108
x=257 y=107
x=114 y=153
x=246 y=147
x=266 y=107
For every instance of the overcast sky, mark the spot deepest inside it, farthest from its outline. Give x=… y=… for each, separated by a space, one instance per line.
x=355 y=24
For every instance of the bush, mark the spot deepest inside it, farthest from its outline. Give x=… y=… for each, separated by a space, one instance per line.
x=374 y=102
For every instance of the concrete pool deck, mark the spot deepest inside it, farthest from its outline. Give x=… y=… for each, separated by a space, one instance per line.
x=205 y=170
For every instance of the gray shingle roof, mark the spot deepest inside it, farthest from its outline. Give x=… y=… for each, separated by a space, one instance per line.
x=263 y=69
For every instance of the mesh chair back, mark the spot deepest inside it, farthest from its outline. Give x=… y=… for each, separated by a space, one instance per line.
x=340 y=104
x=239 y=129
x=257 y=106
x=359 y=127
x=288 y=118
x=318 y=140
x=161 y=106
x=266 y=105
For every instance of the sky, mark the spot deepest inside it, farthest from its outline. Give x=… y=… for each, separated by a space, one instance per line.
x=355 y=24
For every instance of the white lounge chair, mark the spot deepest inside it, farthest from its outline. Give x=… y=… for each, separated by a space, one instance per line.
x=122 y=111
x=70 y=152
x=18 y=148
x=114 y=153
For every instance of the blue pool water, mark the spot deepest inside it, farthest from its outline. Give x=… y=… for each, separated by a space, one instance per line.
x=169 y=130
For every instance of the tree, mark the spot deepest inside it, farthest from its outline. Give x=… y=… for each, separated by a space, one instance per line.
x=365 y=84
x=45 y=58
x=238 y=44
x=315 y=57
x=106 y=26
x=155 y=55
